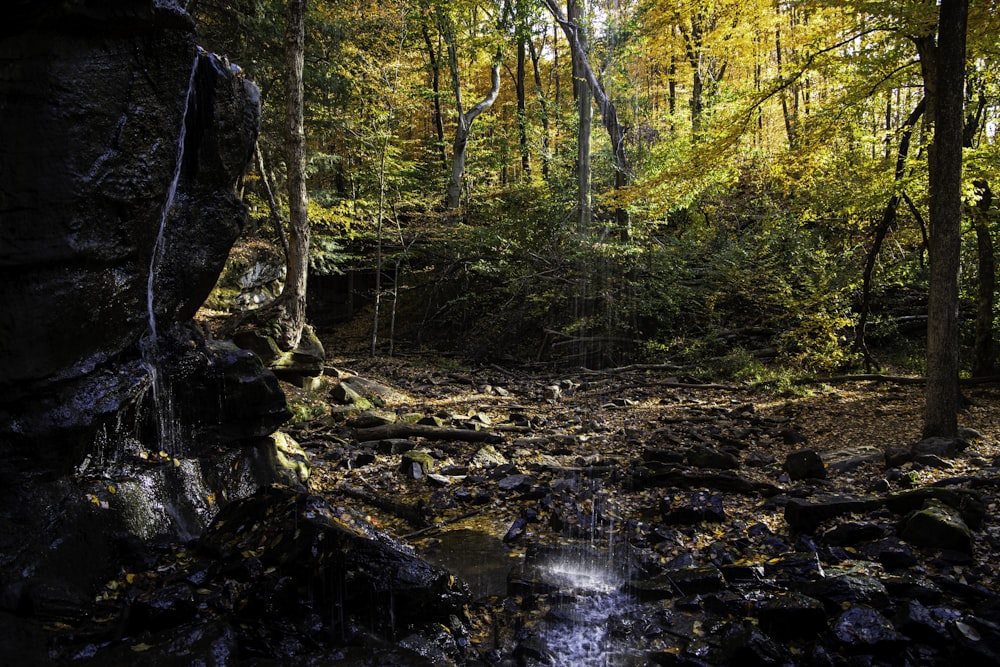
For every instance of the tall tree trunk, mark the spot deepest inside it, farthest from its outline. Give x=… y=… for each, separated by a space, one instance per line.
x=983 y=353
x=522 y=111
x=945 y=160
x=609 y=114
x=585 y=120
x=546 y=151
x=888 y=220
x=465 y=120
x=435 y=63
x=292 y=315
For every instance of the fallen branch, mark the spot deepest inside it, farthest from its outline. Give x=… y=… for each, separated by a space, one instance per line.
x=414 y=514
x=441 y=524
x=894 y=379
x=407 y=430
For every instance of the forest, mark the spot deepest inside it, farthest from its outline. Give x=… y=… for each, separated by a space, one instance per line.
x=614 y=182
x=500 y=333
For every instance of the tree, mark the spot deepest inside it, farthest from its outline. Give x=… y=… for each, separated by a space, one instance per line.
x=465 y=118
x=292 y=302
x=945 y=161
x=609 y=113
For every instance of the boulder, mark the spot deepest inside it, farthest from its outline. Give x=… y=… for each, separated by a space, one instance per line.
x=938 y=526
x=348 y=570
x=122 y=145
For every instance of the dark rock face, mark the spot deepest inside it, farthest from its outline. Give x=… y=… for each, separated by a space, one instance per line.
x=121 y=143
x=111 y=120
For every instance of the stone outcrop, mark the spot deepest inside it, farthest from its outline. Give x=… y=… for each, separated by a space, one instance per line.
x=113 y=124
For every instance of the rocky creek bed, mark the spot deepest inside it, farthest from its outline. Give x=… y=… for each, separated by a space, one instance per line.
x=634 y=517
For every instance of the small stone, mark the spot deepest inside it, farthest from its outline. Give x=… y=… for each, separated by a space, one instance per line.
x=687 y=508
x=862 y=629
x=707 y=457
x=805 y=464
x=488 y=457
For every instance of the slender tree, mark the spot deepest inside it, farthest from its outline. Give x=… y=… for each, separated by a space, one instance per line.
x=945 y=159
x=465 y=118
x=292 y=304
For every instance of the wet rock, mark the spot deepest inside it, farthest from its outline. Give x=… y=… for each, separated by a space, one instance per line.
x=673 y=583
x=744 y=644
x=790 y=615
x=854 y=589
x=928 y=626
x=938 y=526
x=891 y=552
x=687 y=508
x=348 y=568
x=862 y=629
x=796 y=566
x=806 y=515
x=94 y=121
x=805 y=464
x=852 y=533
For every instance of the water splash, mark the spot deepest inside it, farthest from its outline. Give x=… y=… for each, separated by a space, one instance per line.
x=592 y=587
x=163 y=405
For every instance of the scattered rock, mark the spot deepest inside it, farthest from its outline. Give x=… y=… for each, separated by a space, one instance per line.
x=938 y=526
x=805 y=464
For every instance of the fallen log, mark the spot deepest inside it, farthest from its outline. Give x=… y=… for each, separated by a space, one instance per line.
x=407 y=430
x=414 y=514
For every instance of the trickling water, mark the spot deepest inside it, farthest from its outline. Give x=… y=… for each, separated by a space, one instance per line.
x=577 y=631
x=162 y=396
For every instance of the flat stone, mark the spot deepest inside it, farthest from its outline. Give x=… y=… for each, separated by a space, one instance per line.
x=845 y=460
x=687 y=508
x=806 y=515
x=708 y=457
x=854 y=589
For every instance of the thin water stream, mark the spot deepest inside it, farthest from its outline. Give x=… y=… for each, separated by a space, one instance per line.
x=164 y=414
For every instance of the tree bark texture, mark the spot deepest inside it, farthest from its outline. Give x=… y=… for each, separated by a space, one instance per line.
x=585 y=117
x=945 y=160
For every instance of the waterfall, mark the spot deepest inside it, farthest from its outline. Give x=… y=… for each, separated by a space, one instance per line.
x=163 y=407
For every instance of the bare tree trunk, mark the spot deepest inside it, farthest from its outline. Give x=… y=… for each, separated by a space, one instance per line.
x=945 y=160
x=435 y=64
x=609 y=114
x=272 y=204
x=292 y=314
x=522 y=110
x=888 y=220
x=983 y=354
x=546 y=156
x=585 y=117
x=465 y=119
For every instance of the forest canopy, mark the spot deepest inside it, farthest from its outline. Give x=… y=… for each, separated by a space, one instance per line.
x=605 y=182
